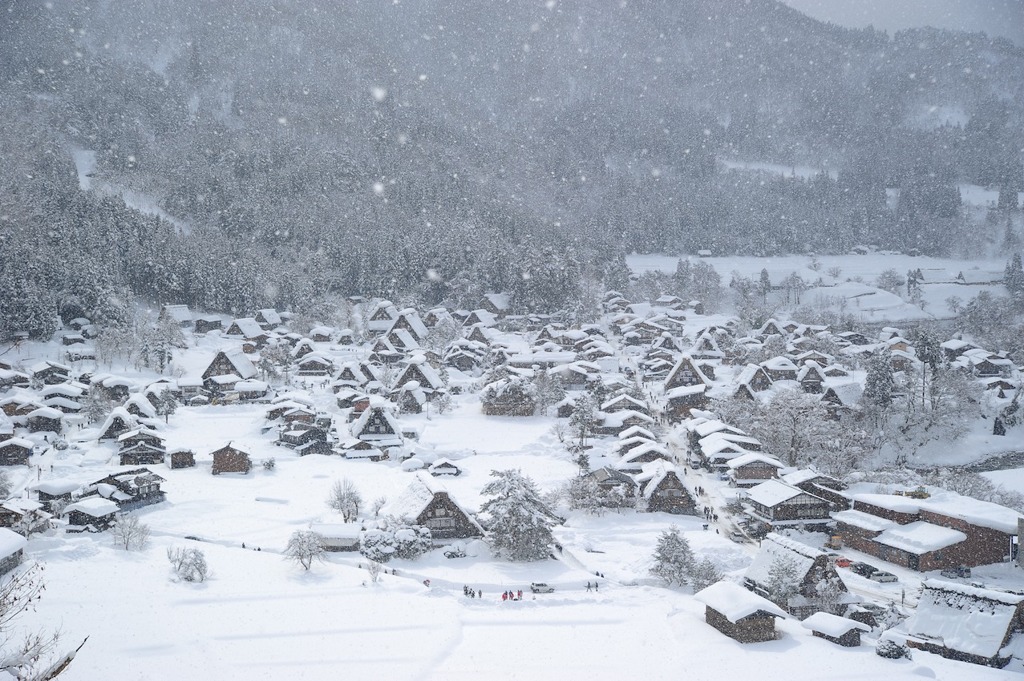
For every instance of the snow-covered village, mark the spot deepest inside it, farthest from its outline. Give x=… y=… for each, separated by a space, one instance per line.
x=247 y=490
x=543 y=340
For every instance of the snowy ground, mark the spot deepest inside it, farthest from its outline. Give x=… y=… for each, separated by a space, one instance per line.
x=261 y=617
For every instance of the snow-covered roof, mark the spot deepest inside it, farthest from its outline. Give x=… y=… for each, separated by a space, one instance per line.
x=270 y=315
x=46 y=413
x=864 y=521
x=10 y=542
x=968 y=619
x=704 y=427
x=754 y=457
x=779 y=363
x=337 y=530
x=775 y=547
x=748 y=373
x=96 y=507
x=832 y=625
x=56 y=487
x=249 y=327
x=623 y=399
x=136 y=432
x=920 y=537
x=772 y=492
x=803 y=475
x=713 y=439
x=944 y=502
x=17 y=441
x=734 y=602
x=617 y=418
x=889 y=502
x=652 y=473
x=685 y=390
x=178 y=313
x=635 y=431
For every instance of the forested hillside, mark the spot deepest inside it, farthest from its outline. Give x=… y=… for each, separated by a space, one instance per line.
x=433 y=150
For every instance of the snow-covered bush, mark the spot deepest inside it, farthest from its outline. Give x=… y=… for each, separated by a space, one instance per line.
x=269 y=464
x=892 y=650
x=393 y=539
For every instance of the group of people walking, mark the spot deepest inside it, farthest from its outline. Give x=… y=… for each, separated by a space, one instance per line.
x=472 y=593
x=512 y=595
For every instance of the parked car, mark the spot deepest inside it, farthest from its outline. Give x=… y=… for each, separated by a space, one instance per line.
x=957 y=572
x=863 y=569
x=843 y=562
x=541 y=588
x=882 y=576
x=737 y=537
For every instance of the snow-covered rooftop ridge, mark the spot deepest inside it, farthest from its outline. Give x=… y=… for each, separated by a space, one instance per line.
x=754 y=457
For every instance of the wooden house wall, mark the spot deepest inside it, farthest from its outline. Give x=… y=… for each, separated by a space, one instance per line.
x=14 y=455
x=182 y=459
x=895 y=516
x=10 y=562
x=850 y=639
x=446 y=520
x=752 y=629
x=671 y=496
x=229 y=460
x=983 y=545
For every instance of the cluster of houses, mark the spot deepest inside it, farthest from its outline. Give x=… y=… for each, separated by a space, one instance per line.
x=648 y=367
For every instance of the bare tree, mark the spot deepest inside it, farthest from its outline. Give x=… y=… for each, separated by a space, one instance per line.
x=377 y=505
x=33 y=658
x=130 y=532
x=345 y=499
x=189 y=564
x=305 y=547
x=374 y=569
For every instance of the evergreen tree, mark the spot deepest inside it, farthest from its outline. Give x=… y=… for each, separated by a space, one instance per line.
x=583 y=419
x=673 y=558
x=1013 y=279
x=520 y=523
x=167 y=404
x=764 y=285
x=879 y=383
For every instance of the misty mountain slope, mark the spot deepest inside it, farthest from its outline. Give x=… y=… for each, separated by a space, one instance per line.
x=371 y=142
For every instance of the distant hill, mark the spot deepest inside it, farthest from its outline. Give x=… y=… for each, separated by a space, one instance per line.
x=373 y=141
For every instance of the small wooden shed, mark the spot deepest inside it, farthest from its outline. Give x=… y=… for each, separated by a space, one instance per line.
x=738 y=613
x=230 y=459
x=845 y=632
